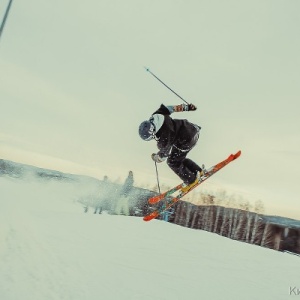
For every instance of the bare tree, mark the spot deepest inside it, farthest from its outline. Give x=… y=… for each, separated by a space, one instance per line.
x=259 y=207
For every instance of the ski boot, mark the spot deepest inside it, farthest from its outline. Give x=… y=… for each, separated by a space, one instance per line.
x=186 y=187
x=203 y=171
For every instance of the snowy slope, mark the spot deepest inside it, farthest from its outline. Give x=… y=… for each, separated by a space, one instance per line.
x=50 y=249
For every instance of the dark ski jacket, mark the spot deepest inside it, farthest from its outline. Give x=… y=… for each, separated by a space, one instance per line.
x=179 y=133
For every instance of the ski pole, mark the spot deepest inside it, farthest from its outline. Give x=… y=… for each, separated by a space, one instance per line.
x=5 y=17
x=157 y=178
x=148 y=70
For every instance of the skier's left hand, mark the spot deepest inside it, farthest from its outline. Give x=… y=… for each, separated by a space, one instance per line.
x=157 y=158
x=191 y=107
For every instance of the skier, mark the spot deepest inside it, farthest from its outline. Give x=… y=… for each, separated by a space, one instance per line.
x=175 y=138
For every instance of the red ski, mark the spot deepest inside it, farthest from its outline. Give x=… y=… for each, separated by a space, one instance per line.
x=161 y=196
x=212 y=170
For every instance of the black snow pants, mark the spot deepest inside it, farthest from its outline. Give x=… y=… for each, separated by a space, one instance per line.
x=184 y=167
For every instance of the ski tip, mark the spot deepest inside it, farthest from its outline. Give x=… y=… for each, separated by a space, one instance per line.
x=155 y=199
x=238 y=154
x=150 y=216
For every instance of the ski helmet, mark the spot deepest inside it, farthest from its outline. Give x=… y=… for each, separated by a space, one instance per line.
x=147 y=130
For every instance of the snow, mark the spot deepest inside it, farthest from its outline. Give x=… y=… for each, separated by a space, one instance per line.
x=51 y=250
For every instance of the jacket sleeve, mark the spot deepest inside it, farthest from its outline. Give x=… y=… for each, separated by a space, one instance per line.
x=167 y=110
x=163 y=110
x=166 y=137
x=178 y=108
x=164 y=152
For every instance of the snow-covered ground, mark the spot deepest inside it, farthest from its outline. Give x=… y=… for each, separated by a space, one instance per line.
x=50 y=249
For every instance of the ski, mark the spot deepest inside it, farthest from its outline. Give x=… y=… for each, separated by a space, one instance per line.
x=212 y=170
x=161 y=196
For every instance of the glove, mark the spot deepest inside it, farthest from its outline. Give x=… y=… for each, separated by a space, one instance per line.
x=155 y=157
x=191 y=107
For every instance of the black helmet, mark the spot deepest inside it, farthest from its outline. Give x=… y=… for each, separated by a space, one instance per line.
x=147 y=130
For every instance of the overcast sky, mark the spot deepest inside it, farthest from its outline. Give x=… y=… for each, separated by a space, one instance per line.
x=73 y=88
